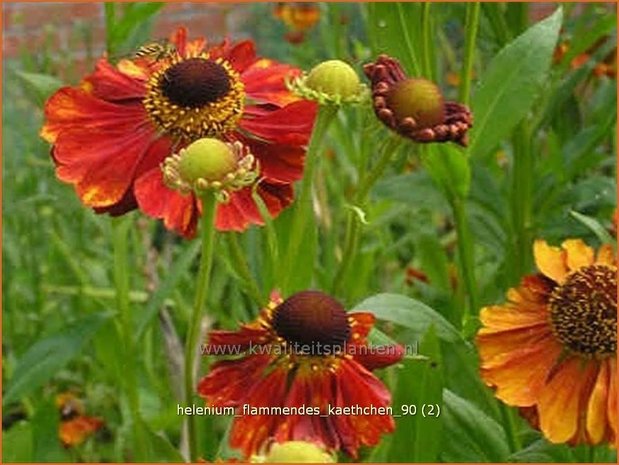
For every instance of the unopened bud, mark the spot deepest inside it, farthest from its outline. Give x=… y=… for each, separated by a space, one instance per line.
x=209 y=159
x=418 y=99
x=297 y=452
x=334 y=77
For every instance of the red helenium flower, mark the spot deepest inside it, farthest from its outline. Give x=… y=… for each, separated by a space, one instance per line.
x=302 y=351
x=111 y=133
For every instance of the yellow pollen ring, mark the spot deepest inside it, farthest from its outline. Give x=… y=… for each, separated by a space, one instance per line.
x=210 y=120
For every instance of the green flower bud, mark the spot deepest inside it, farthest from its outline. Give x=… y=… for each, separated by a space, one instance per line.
x=331 y=82
x=297 y=452
x=210 y=165
x=419 y=99
x=334 y=77
x=209 y=159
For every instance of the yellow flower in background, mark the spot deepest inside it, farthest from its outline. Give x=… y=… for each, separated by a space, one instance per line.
x=298 y=17
x=553 y=345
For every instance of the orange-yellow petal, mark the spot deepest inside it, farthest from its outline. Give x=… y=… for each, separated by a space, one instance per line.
x=596 y=409
x=606 y=255
x=500 y=343
x=612 y=397
x=559 y=404
x=550 y=260
x=520 y=375
x=505 y=317
x=578 y=253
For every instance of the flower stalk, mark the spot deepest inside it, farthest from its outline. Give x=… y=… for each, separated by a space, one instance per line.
x=522 y=201
x=303 y=210
x=125 y=323
x=207 y=237
x=353 y=222
x=472 y=23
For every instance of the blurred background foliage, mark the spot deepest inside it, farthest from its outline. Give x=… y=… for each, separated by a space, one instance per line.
x=556 y=101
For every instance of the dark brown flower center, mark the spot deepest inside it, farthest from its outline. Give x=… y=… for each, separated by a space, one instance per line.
x=314 y=323
x=196 y=97
x=195 y=82
x=583 y=311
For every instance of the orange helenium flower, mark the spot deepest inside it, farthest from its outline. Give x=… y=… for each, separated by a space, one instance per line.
x=111 y=134
x=302 y=351
x=75 y=427
x=76 y=430
x=299 y=17
x=553 y=345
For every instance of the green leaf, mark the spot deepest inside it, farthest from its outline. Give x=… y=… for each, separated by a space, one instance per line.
x=417 y=190
x=17 y=443
x=511 y=84
x=394 y=28
x=461 y=372
x=541 y=451
x=472 y=435
x=159 y=448
x=172 y=278
x=40 y=85
x=563 y=92
x=595 y=227
x=434 y=261
x=126 y=31
x=45 y=424
x=449 y=167
x=47 y=356
x=409 y=313
x=419 y=387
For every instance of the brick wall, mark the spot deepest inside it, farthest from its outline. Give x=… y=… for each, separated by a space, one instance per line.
x=76 y=31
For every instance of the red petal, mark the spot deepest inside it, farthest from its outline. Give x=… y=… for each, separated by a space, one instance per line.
x=374 y=357
x=309 y=389
x=251 y=432
x=358 y=387
x=180 y=40
x=97 y=145
x=279 y=163
x=155 y=154
x=242 y=55
x=124 y=205
x=241 y=210
x=73 y=109
x=265 y=82
x=109 y=83
x=361 y=325
x=179 y=212
x=229 y=381
x=237 y=340
x=291 y=124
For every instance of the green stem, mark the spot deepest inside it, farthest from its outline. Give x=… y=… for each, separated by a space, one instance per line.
x=465 y=252
x=377 y=170
x=426 y=34
x=209 y=206
x=353 y=222
x=509 y=425
x=242 y=268
x=121 y=283
x=472 y=24
x=522 y=201
x=303 y=210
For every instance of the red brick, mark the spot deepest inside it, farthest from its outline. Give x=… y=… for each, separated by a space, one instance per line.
x=10 y=45
x=35 y=15
x=211 y=26
x=172 y=8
